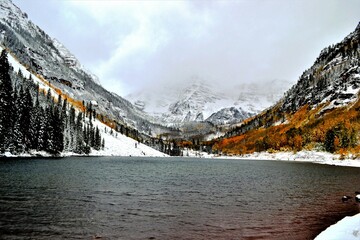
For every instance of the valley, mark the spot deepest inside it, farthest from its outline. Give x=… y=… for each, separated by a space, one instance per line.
x=203 y=86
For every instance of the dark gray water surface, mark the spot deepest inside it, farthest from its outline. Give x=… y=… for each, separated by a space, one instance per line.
x=170 y=198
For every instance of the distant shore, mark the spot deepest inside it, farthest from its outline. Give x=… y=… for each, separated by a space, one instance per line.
x=302 y=156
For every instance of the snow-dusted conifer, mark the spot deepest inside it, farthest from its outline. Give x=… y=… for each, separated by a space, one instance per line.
x=6 y=103
x=34 y=127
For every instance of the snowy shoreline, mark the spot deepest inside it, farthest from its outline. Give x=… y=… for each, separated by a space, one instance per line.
x=130 y=151
x=347 y=228
x=302 y=156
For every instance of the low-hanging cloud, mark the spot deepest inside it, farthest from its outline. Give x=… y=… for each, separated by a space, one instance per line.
x=135 y=44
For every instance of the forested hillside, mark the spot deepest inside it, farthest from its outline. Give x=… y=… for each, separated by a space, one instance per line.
x=31 y=119
x=321 y=112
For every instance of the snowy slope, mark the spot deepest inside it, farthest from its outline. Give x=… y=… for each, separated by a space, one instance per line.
x=116 y=144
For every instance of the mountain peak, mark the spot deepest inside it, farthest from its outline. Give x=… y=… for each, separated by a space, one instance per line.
x=357 y=29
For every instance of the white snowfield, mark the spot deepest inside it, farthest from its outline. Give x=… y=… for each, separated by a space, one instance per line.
x=306 y=156
x=347 y=228
x=117 y=144
x=302 y=156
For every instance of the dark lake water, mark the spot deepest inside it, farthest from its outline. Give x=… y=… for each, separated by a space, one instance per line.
x=171 y=198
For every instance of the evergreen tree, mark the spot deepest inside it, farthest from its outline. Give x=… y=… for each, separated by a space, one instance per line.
x=70 y=133
x=6 y=103
x=41 y=135
x=329 y=141
x=79 y=144
x=97 y=144
x=34 y=127
x=57 y=136
x=49 y=131
x=26 y=125
x=25 y=116
x=63 y=113
x=18 y=128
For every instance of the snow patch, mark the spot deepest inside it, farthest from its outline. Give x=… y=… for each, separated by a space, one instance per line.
x=117 y=144
x=348 y=228
x=302 y=156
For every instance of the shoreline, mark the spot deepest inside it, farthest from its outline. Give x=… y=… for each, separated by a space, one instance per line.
x=346 y=228
x=302 y=156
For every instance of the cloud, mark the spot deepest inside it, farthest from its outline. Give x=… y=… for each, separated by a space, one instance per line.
x=141 y=31
x=135 y=44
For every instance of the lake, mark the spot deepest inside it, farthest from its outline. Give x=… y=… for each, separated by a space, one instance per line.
x=171 y=198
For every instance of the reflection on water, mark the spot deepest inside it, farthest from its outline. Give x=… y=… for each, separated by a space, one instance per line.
x=154 y=198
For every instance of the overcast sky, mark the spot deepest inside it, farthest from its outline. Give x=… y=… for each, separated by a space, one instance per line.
x=130 y=45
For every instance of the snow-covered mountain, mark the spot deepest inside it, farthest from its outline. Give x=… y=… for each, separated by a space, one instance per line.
x=333 y=79
x=47 y=57
x=198 y=100
x=41 y=77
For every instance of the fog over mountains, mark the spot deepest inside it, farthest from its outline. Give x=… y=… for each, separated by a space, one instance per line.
x=198 y=100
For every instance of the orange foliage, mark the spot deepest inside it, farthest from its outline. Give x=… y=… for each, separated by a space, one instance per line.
x=298 y=141
x=312 y=129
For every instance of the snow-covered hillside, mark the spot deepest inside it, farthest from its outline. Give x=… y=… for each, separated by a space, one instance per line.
x=47 y=57
x=198 y=100
x=333 y=79
x=116 y=144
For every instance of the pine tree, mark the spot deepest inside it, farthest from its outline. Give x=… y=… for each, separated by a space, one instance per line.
x=58 y=136
x=97 y=144
x=6 y=103
x=34 y=127
x=103 y=144
x=70 y=133
x=329 y=141
x=79 y=144
x=49 y=130
x=18 y=128
x=25 y=116
x=63 y=113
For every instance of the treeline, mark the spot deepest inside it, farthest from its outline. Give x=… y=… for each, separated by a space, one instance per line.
x=31 y=119
x=170 y=147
